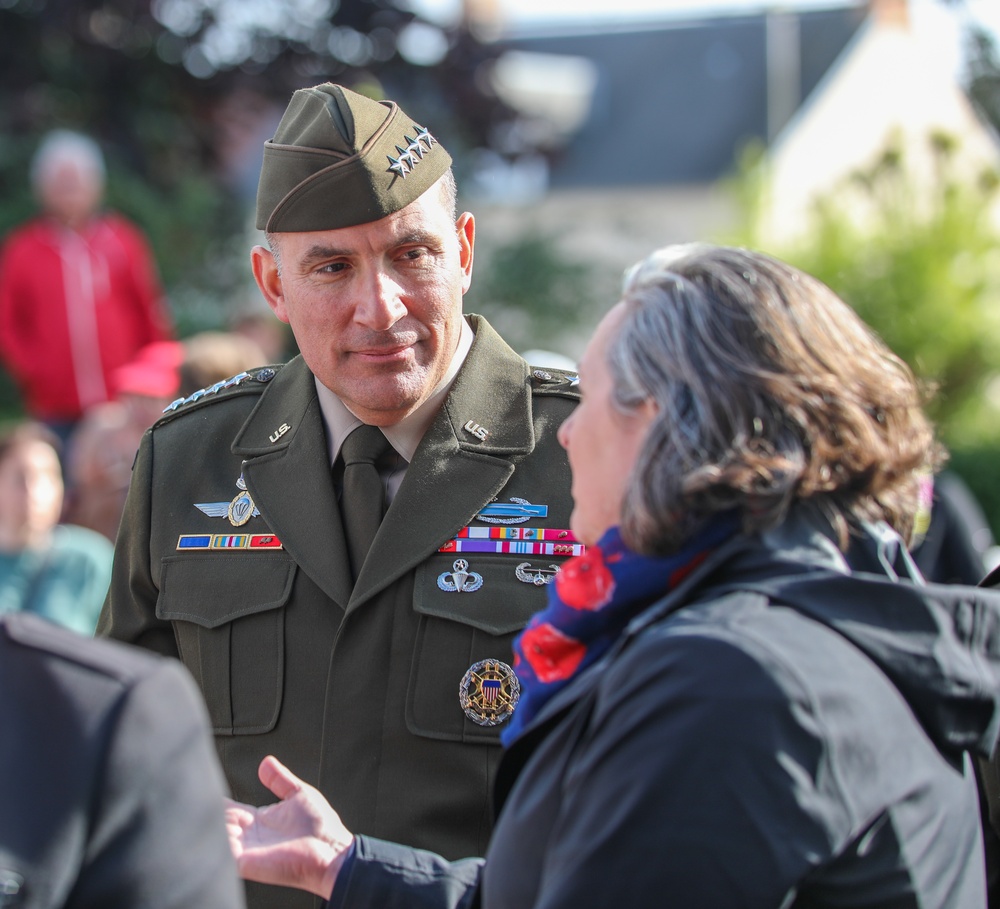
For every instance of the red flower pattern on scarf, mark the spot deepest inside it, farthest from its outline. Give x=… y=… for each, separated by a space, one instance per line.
x=553 y=655
x=586 y=582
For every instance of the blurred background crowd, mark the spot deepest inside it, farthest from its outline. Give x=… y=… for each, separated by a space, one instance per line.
x=856 y=139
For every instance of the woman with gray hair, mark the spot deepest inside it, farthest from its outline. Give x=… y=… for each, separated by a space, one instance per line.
x=717 y=708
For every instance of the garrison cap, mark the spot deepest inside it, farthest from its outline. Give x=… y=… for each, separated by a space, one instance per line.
x=339 y=158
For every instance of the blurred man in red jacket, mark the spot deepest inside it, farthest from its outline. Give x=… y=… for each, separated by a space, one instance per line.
x=79 y=290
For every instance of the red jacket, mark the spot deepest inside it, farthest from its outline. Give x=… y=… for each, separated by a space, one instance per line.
x=73 y=308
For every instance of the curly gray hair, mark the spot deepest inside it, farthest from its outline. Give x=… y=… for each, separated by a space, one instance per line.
x=769 y=389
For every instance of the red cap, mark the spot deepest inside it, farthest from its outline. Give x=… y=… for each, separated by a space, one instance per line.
x=153 y=372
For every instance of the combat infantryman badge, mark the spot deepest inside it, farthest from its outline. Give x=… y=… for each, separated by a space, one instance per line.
x=489 y=692
x=519 y=511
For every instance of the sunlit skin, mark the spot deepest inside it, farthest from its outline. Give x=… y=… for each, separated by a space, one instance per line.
x=70 y=192
x=376 y=309
x=31 y=495
x=602 y=443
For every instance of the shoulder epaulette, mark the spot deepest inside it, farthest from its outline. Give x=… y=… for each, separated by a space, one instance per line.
x=555 y=382
x=243 y=382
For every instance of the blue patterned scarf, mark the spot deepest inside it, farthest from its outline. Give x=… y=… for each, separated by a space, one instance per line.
x=593 y=598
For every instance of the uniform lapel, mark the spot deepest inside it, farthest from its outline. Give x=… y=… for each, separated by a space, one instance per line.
x=287 y=472
x=454 y=473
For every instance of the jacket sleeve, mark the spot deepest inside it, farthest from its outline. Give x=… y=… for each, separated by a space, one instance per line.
x=153 y=311
x=158 y=838
x=17 y=347
x=129 y=612
x=392 y=876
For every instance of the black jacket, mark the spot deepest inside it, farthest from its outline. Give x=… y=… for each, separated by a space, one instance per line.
x=778 y=731
x=110 y=792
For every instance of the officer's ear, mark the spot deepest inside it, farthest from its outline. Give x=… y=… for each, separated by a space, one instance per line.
x=466 y=227
x=268 y=278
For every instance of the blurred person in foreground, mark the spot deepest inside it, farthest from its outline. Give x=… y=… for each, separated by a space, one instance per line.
x=56 y=570
x=111 y=791
x=342 y=548
x=715 y=709
x=79 y=289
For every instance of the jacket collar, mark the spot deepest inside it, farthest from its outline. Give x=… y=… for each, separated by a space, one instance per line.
x=935 y=643
x=464 y=460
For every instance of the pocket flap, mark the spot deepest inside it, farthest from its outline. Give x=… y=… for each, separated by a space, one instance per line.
x=211 y=590
x=500 y=605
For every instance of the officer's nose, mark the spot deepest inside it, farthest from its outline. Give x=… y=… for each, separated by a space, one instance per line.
x=382 y=303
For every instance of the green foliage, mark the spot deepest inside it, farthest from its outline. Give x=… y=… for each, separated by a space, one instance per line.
x=920 y=263
x=530 y=292
x=195 y=229
x=983 y=68
x=977 y=466
x=154 y=81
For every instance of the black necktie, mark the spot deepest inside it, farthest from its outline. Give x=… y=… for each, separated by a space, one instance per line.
x=363 y=501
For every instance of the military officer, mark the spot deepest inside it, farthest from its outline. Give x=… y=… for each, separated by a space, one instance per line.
x=378 y=670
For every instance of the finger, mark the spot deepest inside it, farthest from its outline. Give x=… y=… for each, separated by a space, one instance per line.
x=278 y=778
x=237 y=815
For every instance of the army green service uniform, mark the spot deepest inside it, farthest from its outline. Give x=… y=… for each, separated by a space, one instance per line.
x=356 y=690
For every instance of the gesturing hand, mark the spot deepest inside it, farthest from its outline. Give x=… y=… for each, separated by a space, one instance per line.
x=299 y=841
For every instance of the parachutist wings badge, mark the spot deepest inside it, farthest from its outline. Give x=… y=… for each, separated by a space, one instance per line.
x=239 y=510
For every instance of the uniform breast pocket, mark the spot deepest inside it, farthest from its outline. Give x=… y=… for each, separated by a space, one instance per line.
x=228 y=616
x=470 y=608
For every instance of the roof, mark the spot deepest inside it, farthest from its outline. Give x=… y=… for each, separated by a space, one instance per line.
x=674 y=102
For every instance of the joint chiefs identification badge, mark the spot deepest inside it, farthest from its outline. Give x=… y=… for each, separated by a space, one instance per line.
x=489 y=692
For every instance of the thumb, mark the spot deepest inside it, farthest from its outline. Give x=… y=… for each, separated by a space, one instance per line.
x=278 y=778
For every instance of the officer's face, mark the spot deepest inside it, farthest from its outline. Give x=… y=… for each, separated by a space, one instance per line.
x=376 y=309
x=601 y=441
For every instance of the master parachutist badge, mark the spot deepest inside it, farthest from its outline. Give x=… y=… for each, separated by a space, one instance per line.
x=460 y=579
x=489 y=692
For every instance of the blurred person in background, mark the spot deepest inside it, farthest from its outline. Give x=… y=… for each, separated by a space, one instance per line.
x=215 y=356
x=79 y=289
x=716 y=709
x=111 y=791
x=954 y=544
x=58 y=571
x=267 y=331
x=102 y=447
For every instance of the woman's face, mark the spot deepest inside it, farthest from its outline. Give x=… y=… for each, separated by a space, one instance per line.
x=601 y=441
x=31 y=490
